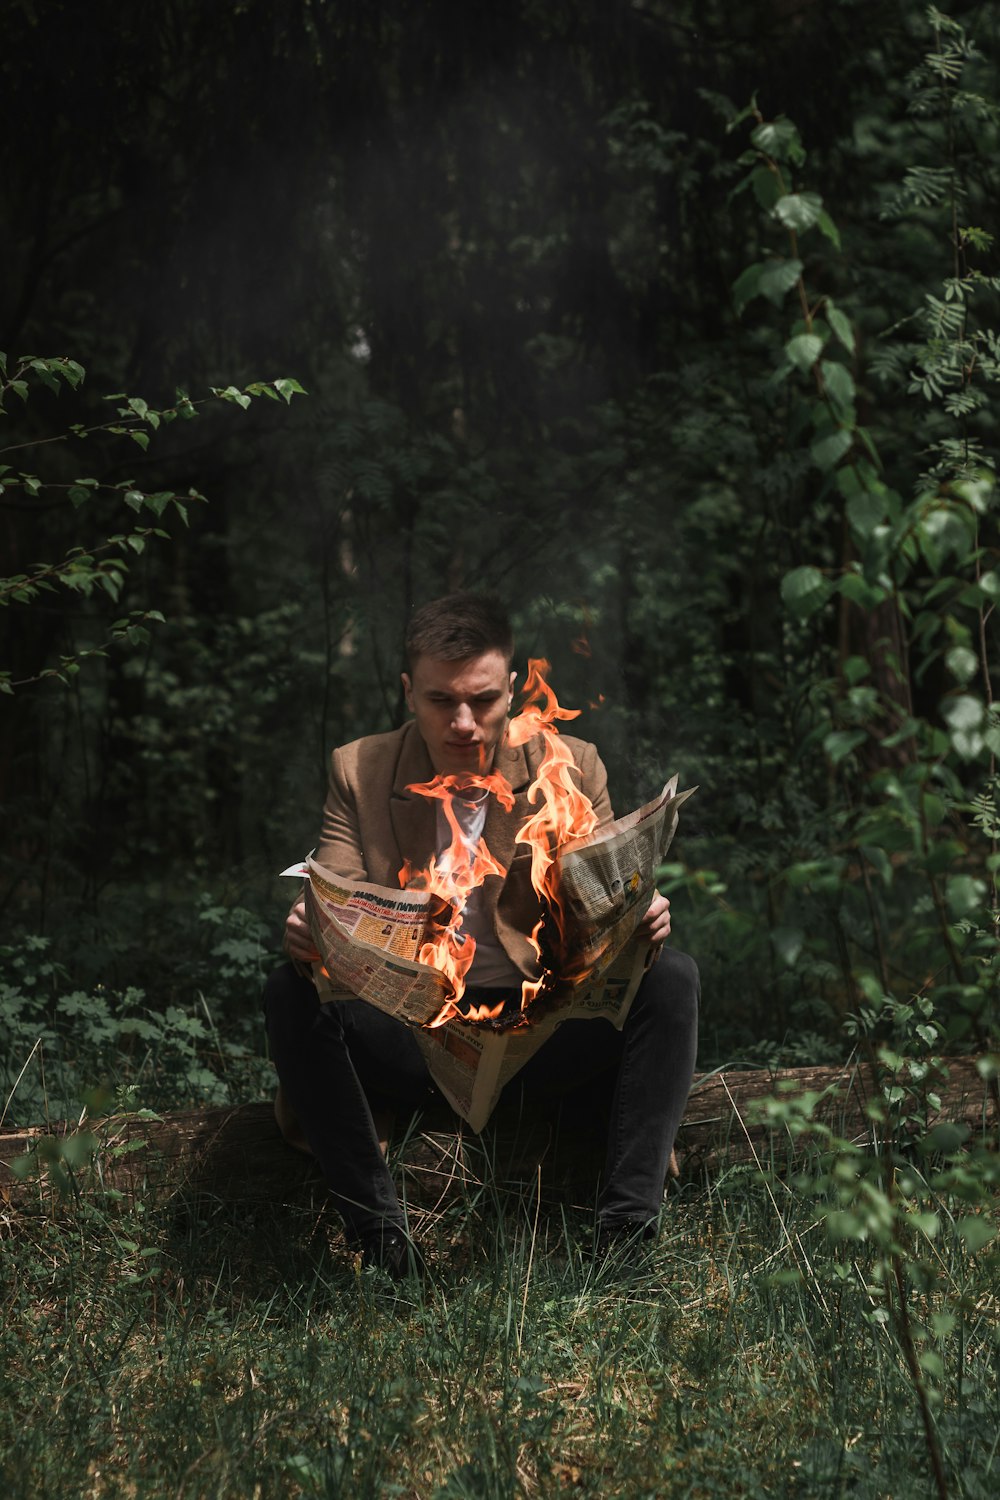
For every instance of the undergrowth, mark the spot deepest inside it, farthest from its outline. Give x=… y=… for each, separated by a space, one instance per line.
x=195 y=1036
x=192 y=1347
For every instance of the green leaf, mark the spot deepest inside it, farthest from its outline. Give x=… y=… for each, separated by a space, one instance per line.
x=965 y=895
x=232 y=394
x=288 y=389
x=976 y=1232
x=76 y=1150
x=827 y=451
x=838 y=384
x=746 y=287
x=841 y=326
x=798 y=211
x=45 y=374
x=944 y=1138
x=861 y=592
x=780 y=139
x=141 y=438
x=829 y=229
x=963 y=712
x=841 y=1224
x=777 y=278
x=134 y=499
x=805 y=590
x=962 y=663
x=840 y=742
x=879 y=861
x=865 y=511
x=767 y=186
x=159 y=500
x=804 y=350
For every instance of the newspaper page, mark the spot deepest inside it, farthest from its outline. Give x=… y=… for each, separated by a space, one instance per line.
x=606 y=883
x=369 y=936
x=471 y=1062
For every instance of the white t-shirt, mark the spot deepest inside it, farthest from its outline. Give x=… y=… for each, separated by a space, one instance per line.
x=490 y=967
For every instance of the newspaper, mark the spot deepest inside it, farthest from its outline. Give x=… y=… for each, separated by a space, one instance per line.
x=592 y=960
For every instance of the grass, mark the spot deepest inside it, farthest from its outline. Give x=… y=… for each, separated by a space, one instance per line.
x=196 y=1348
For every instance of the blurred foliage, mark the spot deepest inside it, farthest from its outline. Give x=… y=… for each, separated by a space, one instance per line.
x=538 y=294
x=71 y=1040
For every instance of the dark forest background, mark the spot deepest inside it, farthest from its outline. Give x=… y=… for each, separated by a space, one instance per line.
x=497 y=246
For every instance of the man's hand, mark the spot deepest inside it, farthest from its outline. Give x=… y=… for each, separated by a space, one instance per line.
x=298 y=939
x=655 y=925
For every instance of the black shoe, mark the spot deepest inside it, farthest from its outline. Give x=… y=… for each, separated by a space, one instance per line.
x=625 y=1241
x=390 y=1250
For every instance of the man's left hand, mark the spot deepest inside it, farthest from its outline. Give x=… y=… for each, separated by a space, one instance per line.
x=655 y=925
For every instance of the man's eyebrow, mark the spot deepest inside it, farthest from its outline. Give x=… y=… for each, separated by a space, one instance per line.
x=483 y=693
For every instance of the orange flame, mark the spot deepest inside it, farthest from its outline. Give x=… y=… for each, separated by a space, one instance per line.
x=451 y=877
x=564 y=814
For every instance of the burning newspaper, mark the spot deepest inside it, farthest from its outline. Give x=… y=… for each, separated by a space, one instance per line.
x=592 y=961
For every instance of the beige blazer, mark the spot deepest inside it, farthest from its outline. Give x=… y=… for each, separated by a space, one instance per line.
x=371 y=823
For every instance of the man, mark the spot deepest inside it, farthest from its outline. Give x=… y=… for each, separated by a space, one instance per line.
x=335 y=1060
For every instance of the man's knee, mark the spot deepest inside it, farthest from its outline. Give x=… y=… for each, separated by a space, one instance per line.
x=681 y=973
x=673 y=985
x=289 y=1000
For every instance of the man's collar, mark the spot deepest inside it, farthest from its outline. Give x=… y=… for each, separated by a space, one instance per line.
x=414 y=818
x=512 y=763
x=414 y=764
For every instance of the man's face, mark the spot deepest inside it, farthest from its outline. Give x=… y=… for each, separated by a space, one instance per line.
x=461 y=709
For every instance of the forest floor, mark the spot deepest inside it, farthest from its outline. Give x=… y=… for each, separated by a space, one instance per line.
x=188 y=1347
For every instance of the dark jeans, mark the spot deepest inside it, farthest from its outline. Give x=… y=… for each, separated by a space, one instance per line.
x=332 y=1059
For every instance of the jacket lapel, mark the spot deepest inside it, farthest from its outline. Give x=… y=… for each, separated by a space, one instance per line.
x=414 y=818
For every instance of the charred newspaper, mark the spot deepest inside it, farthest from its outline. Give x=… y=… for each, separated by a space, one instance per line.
x=369 y=937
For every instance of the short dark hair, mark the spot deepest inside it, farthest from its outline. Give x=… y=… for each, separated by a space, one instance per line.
x=457 y=626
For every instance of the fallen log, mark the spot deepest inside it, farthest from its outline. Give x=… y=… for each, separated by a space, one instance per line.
x=239 y=1153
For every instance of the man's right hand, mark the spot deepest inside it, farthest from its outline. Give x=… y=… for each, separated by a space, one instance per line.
x=298 y=939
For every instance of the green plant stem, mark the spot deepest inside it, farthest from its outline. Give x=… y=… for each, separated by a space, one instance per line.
x=902 y=1318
